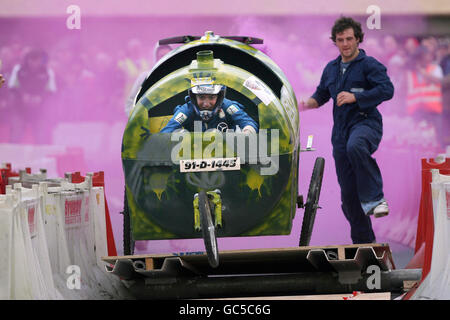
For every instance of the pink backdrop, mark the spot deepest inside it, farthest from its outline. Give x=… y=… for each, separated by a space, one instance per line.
x=85 y=118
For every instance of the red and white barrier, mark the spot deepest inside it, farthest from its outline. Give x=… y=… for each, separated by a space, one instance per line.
x=6 y=241
x=98 y=180
x=30 y=274
x=436 y=285
x=6 y=173
x=52 y=237
x=432 y=238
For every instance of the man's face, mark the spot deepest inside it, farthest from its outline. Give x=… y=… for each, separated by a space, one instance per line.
x=347 y=44
x=206 y=101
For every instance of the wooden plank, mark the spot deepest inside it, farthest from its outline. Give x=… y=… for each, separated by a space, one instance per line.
x=275 y=260
x=149 y=264
x=255 y=252
x=346 y=296
x=409 y=284
x=387 y=252
x=341 y=253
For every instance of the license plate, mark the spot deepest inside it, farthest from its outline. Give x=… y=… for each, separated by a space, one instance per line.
x=220 y=164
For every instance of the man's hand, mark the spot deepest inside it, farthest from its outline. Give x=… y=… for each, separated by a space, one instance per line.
x=345 y=97
x=249 y=130
x=311 y=103
x=2 y=80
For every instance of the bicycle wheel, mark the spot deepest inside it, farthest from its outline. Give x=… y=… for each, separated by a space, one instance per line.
x=312 y=202
x=208 y=229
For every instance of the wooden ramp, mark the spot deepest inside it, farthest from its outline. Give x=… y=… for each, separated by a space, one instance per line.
x=276 y=260
x=341 y=296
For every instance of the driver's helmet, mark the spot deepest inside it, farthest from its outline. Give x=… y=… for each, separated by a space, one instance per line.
x=217 y=89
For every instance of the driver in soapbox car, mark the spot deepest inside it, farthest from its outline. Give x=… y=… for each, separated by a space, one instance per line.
x=207 y=103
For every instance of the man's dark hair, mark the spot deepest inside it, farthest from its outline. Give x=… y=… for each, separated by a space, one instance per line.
x=344 y=23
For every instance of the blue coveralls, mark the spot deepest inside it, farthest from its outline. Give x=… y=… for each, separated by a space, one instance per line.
x=357 y=132
x=231 y=114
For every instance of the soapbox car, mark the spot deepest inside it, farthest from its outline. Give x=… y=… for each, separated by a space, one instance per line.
x=186 y=185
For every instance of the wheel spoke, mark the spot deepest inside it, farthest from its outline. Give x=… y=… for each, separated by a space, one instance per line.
x=312 y=202
x=208 y=230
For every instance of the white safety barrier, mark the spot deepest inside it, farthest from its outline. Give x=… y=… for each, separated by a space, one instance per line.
x=30 y=275
x=437 y=283
x=6 y=236
x=52 y=240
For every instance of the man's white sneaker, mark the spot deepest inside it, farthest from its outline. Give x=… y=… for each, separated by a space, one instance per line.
x=381 y=210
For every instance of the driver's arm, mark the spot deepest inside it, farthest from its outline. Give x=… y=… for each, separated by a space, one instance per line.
x=241 y=118
x=180 y=117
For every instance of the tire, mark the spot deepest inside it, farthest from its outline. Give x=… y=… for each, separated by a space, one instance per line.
x=208 y=229
x=312 y=201
x=128 y=242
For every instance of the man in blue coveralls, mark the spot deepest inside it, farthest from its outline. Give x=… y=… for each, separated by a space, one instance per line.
x=207 y=103
x=358 y=84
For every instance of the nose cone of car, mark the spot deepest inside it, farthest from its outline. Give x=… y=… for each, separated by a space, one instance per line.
x=205 y=59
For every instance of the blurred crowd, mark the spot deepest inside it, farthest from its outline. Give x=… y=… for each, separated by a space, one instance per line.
x=420 y=72
x=65 y=83
x=69 y=83
x=419 y=67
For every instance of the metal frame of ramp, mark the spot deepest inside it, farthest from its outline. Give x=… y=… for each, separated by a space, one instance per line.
x=262 y=272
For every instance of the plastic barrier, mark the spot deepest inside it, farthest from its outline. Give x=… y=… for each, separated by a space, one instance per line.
x=30 y=270
x=46 y=234
x=425 y=225
x=436 y=285
x=104 y=237
x=56 y=236
x=98 y=180
x=97 y=204
x=2 y=184
x=7 y=211
x=27 y=179
x=6 y=173
x=80 y=209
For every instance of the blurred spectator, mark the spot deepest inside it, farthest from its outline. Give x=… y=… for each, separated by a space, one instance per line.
x=432 y=45
x=424 y=96
x=158 y=53
x=32 y=82
x=394 y=58
x=396 y=69
x=93 y=76
x=373 y=46
x=133 y=64
x=7 y=57
x=390 y=47
x=4 y=102
x=3 y=105
x=74 y=82
x=411 y=45
x=73 y=79
x=104 y=96
x=445 y=65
